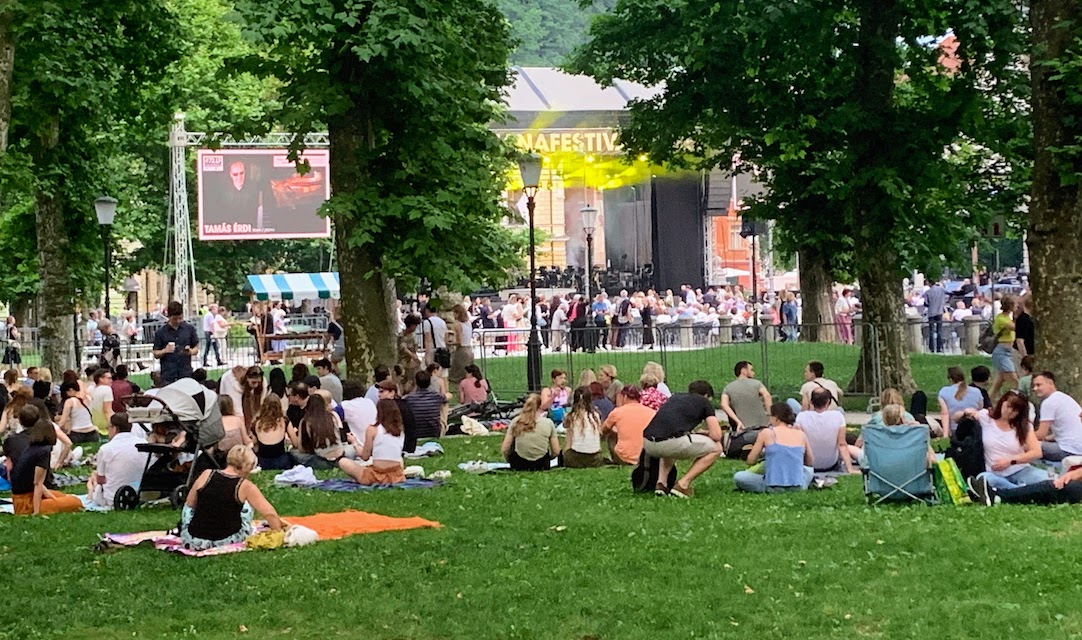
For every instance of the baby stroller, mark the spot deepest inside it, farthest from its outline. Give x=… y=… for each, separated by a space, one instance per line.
x=184 y=408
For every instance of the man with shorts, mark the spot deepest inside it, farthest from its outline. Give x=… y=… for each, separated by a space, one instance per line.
x=669 y=437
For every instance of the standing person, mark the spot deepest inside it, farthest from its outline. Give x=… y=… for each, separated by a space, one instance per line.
x=670 y=437
x=109 y=357
x=101 y=399
x=790 y=316
x=13 y=349
x=433 y=333
x=1003 y=354
x=210 y=323
x=935 y=303
x=1060 y=429
x=843 y=316
x=582 y=338
x=746 y=400
x=1024 y=329
x=462 y=356
x=646 y=312
x=221 y=334
x=557 y=326
x=332 y=338
x=175 y=343
x=408 y=359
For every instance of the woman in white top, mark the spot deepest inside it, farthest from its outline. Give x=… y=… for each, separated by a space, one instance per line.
x=75 y=416
x=1009 y=443
x=383 y=443
x=582 y=447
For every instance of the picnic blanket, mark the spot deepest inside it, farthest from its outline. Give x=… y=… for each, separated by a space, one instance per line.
x=344 y=484
x=329 y=526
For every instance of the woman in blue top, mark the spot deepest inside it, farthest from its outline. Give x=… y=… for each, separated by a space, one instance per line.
x=786 y=453
x=955 y=398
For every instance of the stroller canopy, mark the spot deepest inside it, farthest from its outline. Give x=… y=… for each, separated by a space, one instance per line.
x=195 y=406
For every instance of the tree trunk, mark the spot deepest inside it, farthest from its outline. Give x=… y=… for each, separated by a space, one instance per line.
x=57 y=294
x=367 y=314
x=884 y=361
x=1055 y=213
x=7 y=66
x=817 y=307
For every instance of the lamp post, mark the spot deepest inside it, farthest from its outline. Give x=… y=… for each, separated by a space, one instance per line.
x=589 y=224
x=529 y=165
x=105 y=208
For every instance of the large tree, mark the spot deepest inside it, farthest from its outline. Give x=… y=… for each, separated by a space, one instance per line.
x=79 y=80
x=406 y=91
x=850 y=95
x=1055 y=229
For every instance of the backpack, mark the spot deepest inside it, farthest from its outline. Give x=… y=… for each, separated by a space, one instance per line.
x=967 y=447
x=644 y=475
x=740 y=445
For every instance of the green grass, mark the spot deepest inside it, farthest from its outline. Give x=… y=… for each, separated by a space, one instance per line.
x=567 y=554
x=783 y=370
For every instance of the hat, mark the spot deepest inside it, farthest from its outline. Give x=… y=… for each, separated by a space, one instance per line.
x=387 y=385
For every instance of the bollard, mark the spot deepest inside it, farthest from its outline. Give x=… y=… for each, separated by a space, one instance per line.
x=766 y=325
x=971 y=335
x=916 y=335
x=858 y=329
x=686 y=330
x=725 y=329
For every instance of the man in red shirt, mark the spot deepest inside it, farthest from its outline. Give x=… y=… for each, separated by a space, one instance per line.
x=122 y=389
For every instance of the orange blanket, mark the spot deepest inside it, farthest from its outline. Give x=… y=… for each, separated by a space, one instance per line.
x=331 y=526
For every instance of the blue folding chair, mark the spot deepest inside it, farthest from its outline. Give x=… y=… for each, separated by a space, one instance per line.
x=895 y=465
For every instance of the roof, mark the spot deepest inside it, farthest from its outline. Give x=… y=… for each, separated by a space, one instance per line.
x=538 y=89
x=294 y=286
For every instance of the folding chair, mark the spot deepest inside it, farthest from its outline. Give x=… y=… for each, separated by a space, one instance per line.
x=895 y=465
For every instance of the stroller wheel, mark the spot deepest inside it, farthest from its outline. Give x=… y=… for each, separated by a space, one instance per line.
x=126 y=498
x=179 y=495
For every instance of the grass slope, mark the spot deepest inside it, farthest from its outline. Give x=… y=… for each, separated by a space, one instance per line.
x=567 y=554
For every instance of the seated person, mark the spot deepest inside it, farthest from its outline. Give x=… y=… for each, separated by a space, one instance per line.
x=745 y=400
x=978 y=379
x=651 y=395
x=219 y=508
x=786 y=453
x=75 y=415
x=582 y=440
x=270 y=435
x=1066 y=489
x=119 y=462
x=317 y=443
x=825 y=431
x=28 y=472
x=1060 y=429
x=1009 y=444
x=427 y=403
x=382 y=446
x=601 y=402
x=624 y=426
x=954 y=399
x=530 y=443
x=670 y=437
x=235 y=430
x=888 y=397
x=813 y=379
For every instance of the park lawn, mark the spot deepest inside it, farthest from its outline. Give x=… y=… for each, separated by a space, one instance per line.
x=567 y=554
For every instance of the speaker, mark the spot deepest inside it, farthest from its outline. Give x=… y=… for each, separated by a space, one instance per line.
x=749 y=227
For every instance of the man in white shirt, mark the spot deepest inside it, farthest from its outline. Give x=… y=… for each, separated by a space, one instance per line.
x=359 y=411
x=210 y=324
x=119 y=463
x=381 y=373
x=825 y=429
x=813 y=379
x=1060 y=429
x=433 y=333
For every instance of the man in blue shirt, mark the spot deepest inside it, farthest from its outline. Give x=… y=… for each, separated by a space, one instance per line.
x=935 y=301
x=175 y=343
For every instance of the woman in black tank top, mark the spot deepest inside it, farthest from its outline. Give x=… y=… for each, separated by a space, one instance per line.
x=220 y=505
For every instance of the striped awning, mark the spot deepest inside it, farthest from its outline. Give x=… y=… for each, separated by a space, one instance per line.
x=294 y=286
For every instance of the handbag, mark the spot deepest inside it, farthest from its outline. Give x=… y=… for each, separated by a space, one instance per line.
x=441 y=355
x=989 y=340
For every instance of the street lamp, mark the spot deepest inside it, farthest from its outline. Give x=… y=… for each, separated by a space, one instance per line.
x=589 y=224
x=105 y=208
x=529 y=166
